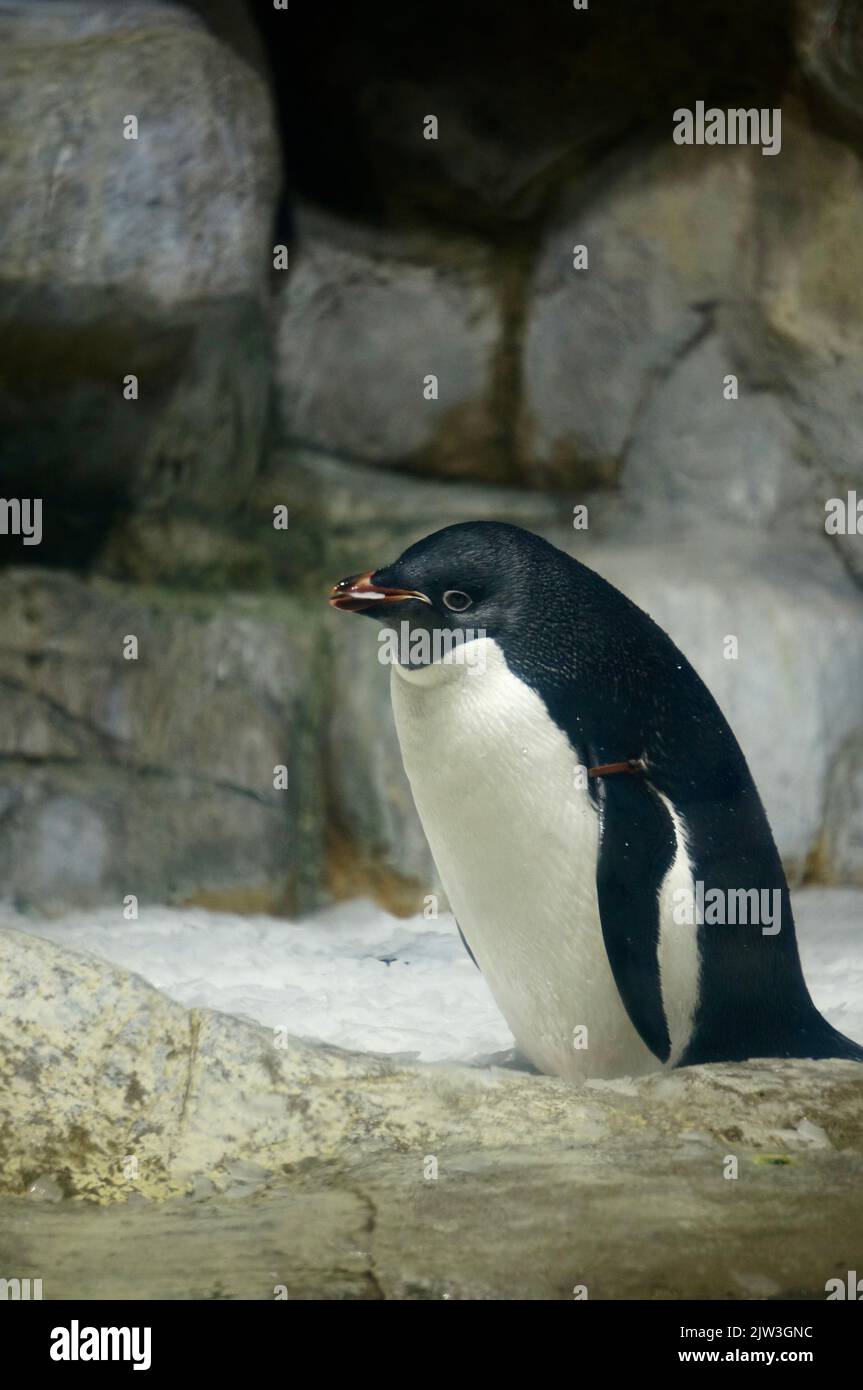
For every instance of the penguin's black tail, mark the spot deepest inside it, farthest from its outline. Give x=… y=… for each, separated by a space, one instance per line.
x=829 y=1042
x=818 y=1041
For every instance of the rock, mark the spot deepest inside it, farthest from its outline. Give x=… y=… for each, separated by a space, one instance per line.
x=840 y=856
x=232 y=22
x=378 y=845
x=364 y=319
x=155 y=776
x=345 y=516
x=65 y=1062
x=625 y=362
x=696 y=457
x=363 y=1170
x=45 y=1189
x=807 y=337
x=188 y=551
x=668 y=237
x=829 y=41
x=170 y=290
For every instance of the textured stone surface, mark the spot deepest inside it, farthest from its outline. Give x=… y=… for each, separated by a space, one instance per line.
x=364 y=319
x=829 y=37
x=809 y=343
x=308 y=1167
x=376 y=830
x=296 y=1101
x=345 y=517
x=841 y=847
x=704 y=262
x=667 y=234
x=232 y=22
x=144 y=257
x=155 y=776
x=699 y=458
x=79 y=1043
x=154 y=202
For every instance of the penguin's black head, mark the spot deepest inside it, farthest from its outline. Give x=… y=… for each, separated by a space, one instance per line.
x=477 y=576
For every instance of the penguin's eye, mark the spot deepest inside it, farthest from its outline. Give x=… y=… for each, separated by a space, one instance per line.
x=456 y=600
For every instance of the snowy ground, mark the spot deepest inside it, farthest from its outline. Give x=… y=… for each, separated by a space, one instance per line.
x=356 y=977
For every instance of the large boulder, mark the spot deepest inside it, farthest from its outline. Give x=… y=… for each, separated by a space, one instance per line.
x=233 y=22
x=696 y=455
x=143 y=257
x=377 y=842
x=807 y=340
x=707 y=360
x=840 y=850
x=829 y=40
x=343 y=514
x=313 y=1172
x=667 y=235
x=365 y=318
x=155 y=776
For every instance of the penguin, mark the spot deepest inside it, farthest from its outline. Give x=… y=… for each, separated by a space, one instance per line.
x=577 y=782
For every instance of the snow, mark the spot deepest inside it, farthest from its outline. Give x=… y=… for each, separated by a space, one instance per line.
x=356 y=977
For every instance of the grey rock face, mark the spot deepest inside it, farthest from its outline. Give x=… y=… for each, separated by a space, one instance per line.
x=232 y=22
x=155 y=776
x=601 y=1185
x=698 y=459
x=662 y=247
x=142 y=257
x=703 y=264
x=810 y=226
x=346 y=517
x=364 y=321
x=841 y=847
x=58 y=19
x=373 y=807
x=830 y=48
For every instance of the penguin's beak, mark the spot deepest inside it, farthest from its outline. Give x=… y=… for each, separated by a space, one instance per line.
x=357 y=594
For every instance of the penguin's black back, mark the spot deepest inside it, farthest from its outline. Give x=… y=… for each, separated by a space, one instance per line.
x=619 y=688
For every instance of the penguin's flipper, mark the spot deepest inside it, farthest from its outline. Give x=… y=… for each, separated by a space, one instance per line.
x=637 y=847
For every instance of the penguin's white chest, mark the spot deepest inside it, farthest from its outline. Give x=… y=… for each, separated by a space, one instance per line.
x=515 y=837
